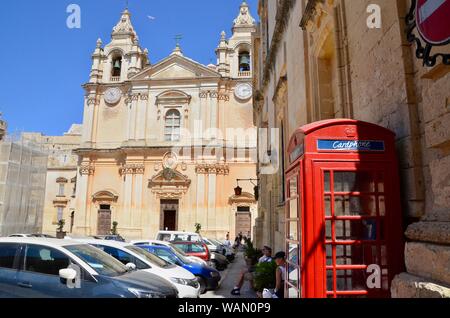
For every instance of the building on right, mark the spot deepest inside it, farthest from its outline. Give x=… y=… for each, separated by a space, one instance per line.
x=376 y=62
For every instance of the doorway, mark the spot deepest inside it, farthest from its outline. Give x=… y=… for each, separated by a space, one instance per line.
x=169 y=215
x=104 y=220
x=243 y=221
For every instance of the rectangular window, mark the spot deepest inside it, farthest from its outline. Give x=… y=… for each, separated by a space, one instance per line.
x=7 y=255
x=45 y=260
x=61 y=189
x=60 y=213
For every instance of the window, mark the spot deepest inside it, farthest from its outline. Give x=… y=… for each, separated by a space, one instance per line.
x=45 y=260
x=244 y=62
x=60 y=213
x=117 y=67
x=172 y=125
x=197 y=248
x=61 y=190
x=7 y=255
x=98 y=260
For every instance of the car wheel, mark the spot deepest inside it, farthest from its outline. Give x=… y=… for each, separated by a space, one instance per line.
x=202 y=283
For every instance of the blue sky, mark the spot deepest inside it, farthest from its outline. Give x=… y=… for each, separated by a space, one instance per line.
x=45 y=63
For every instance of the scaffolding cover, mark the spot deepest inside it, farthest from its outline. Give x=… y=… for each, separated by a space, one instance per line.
x=23 y=171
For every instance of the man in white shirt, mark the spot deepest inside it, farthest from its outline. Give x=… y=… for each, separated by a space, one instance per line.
x=248 y=274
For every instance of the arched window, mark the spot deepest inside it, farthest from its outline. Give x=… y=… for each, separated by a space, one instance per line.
x=116 y=66
x=244 y=62
x=172 y=125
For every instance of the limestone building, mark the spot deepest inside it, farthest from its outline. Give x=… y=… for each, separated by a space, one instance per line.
x=61 y=177
x=317 y=59
x=22 y=184
x=163 y=144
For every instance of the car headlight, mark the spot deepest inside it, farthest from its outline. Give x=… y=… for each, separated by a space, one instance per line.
x=180 y=281
x=188 y=282
x=145 y=293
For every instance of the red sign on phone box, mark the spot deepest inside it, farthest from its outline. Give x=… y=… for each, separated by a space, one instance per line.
x=433 y=20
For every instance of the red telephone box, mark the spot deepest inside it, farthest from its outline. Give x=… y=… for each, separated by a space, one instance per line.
x=344 y=235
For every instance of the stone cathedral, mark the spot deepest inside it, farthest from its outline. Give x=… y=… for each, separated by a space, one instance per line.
x=137 y=117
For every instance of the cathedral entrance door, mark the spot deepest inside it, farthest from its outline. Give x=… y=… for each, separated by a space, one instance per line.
x=243 y=221
x=169 y=215
x=104 y=220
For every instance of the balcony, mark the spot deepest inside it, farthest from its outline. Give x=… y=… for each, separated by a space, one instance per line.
x=244 y=74
x=115 y=79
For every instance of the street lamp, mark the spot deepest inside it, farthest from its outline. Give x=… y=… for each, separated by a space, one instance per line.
x=238 y=189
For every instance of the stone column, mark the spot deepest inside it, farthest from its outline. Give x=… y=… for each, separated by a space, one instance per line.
x=141 y=117
x=82 y=220
x=127 y=172
x=138 y=187
x=88 y=124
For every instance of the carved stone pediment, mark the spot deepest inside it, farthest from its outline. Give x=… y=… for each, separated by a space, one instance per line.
x=173 y=97
x=105 y=197
x=169 y=183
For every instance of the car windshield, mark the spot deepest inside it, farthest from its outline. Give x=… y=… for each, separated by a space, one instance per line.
x=152 y=258
x=98 y=260
x=216 y=242
x=180 y=254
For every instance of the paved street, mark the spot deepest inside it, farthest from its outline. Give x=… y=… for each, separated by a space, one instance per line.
x=229 y=278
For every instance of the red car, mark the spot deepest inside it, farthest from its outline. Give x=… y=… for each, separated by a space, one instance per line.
x=198 y=249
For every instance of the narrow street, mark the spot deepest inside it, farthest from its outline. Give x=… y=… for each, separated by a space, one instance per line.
x=229 y=279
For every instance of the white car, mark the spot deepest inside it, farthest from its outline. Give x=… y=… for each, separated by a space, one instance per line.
x=194 y=259
x=170 y=236
x=186 y=283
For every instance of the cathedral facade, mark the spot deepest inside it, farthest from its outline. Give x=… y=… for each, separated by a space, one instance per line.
x=163 y=145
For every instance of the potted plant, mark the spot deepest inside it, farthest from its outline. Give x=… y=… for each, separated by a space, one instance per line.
x=265 y=276
x=251 y=253
x=60 y=229
x=114 y=228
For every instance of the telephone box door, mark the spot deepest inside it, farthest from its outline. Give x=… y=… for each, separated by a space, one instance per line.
x=351 y=201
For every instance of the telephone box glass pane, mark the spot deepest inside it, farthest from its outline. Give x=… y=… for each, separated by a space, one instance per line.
x=356 y=230
x=293 y=187
x=293 y=276
x=327 y=205
x=293 y=231
x=329 y=253
x=347 y=205
x=348 y=280
x=293 y=254
x=330 y=280
x=382 y=205
x=364 y=254
x=361 y=181
x=293 y=292
x=327 y=181
x=293 y=209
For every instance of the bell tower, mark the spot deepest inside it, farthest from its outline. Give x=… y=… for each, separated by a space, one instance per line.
x=122 y=57
x=234 y=55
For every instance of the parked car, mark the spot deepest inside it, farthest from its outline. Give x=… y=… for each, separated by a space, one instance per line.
x=194 y=259
x=44 y=268
x=198 y=249
x=212 y=246
x=116 y=238
x=32 y=235
x=227 y=251
x=208 y=277
x=184 y=281
x=170 y=236
x=219 y=261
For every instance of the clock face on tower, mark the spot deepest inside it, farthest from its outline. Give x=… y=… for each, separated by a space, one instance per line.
x=243 y=91
x=113 y=95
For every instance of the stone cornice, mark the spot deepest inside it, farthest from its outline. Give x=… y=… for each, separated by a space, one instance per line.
x=132 y=169
x=87 y=169
x=218 y=169
x=310 y=12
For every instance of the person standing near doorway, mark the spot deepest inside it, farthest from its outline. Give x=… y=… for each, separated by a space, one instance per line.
x=280 y=259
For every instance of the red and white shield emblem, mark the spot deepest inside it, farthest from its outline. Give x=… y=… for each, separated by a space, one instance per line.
x=433 y=20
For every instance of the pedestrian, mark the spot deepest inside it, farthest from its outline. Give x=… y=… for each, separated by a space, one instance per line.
x=227 y=240
x=280 y=259
x=248 y=274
